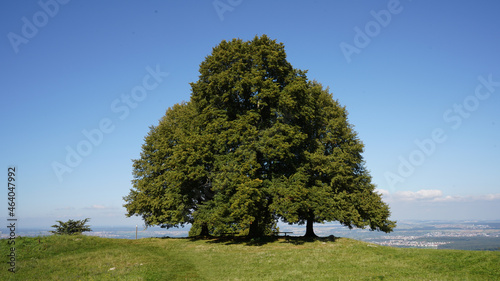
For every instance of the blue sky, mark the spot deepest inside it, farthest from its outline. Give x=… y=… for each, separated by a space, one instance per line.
x=420 y=79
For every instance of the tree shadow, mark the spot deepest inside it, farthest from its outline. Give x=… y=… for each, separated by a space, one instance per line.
x=237 y=240
x=301 y=240
x=259 y=241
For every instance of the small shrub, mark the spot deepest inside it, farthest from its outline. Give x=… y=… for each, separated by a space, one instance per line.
x=71 y=227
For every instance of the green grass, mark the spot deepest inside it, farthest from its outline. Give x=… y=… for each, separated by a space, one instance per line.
x=91 y=258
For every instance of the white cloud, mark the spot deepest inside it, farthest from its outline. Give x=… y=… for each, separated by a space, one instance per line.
x=383 y=192
x=454 y=198
x=424 y=194
x=433 y=195
x=469 y=198
x=491 y=197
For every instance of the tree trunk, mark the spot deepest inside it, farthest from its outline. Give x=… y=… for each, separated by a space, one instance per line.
x=255 y=230
x=204 y=230
x=309 y=227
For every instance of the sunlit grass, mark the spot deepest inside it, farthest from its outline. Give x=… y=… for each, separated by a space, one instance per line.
x=93 y=258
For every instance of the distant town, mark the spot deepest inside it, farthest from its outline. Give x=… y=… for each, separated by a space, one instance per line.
x=466 y=235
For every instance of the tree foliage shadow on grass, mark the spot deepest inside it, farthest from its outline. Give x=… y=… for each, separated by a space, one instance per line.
x=260 y=241
x=300 y=240
x=234 y=240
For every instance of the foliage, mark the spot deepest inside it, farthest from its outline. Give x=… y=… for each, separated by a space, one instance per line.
x=256 y=143
x=67 y=257
x=71 y=227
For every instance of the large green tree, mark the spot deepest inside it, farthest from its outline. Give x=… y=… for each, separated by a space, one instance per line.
x=257 y=142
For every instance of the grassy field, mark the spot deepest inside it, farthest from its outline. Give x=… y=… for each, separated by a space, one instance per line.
x=94 y=258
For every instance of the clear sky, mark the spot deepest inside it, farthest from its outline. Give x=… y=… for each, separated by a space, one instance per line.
x=82 y=81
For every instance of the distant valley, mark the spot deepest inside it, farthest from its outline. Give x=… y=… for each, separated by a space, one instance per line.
x=463 y=235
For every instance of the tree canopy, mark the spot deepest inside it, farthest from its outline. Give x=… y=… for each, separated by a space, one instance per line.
x=257 y=143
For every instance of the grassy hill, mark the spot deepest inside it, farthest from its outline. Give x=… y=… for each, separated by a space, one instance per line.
x=94 y=258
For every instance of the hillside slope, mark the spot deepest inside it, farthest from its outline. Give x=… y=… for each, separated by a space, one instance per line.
x=94 y=258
